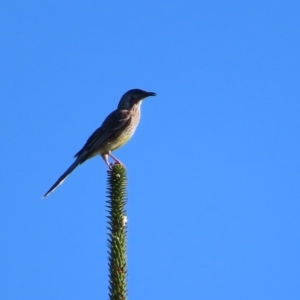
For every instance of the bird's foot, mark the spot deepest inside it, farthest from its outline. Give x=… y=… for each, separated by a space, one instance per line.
x=112 y=164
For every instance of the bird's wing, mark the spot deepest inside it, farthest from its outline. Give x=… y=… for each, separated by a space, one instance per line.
x=110 y=129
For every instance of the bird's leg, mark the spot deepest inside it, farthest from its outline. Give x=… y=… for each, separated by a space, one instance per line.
x=105 y=158
x=117 y=161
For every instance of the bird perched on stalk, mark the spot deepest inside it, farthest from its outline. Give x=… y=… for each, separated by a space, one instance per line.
x=115 y=131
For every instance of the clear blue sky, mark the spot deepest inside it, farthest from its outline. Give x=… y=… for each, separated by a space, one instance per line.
x=213 y=195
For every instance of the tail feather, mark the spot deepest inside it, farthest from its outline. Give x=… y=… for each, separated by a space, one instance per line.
x=61 y=179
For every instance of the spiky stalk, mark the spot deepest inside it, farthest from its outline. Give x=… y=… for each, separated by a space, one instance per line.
x=117 y=231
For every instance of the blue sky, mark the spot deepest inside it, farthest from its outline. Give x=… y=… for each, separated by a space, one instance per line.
x=213 y=193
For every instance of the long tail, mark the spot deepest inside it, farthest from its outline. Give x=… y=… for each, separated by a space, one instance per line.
x=61 y=179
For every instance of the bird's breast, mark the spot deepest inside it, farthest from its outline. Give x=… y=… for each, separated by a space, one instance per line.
x=127 y=132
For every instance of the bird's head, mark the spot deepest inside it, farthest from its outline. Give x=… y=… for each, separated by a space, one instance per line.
x=132 y=97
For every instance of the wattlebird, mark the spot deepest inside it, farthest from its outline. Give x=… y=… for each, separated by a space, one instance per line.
x=115 y=131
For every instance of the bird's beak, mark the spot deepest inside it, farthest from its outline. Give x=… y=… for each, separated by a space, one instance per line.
x=150 y=94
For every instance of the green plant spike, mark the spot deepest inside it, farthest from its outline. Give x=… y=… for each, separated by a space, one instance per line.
x=117 y=231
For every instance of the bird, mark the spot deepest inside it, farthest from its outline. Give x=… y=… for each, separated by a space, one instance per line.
x=115 y=131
